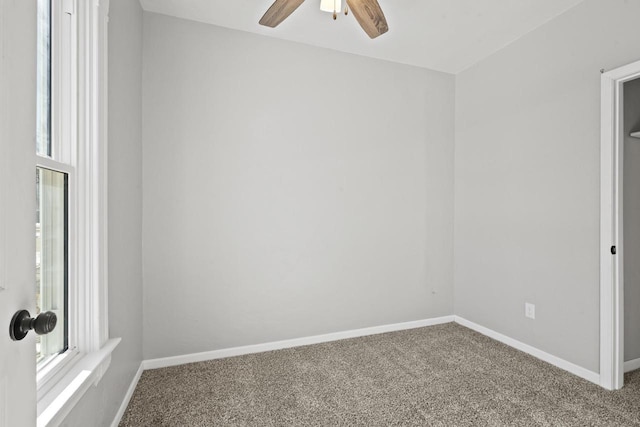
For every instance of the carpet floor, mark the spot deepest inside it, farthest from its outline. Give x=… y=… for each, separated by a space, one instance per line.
x=445 y=375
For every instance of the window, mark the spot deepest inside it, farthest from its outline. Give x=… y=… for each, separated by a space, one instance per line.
x=52 y=202
x=43 y=82
x=52 y=260
x=70 y=228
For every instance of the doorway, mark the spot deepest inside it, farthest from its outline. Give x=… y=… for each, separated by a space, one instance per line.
x=618 y=143
x=631 y=223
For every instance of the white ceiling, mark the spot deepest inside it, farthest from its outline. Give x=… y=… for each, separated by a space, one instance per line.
x=443 y=35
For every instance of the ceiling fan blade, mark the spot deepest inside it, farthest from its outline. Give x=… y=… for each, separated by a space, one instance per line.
x=370 y=16
x=279 y=11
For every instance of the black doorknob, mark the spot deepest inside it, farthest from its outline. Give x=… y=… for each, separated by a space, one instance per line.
x=22 y=322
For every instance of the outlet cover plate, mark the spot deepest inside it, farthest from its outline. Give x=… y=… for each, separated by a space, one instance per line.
x=530 y=310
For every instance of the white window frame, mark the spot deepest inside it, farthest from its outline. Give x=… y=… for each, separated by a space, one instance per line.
x=79 y=116
x=63 y=159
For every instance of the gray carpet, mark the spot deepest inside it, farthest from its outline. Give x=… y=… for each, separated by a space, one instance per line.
x=444 y=375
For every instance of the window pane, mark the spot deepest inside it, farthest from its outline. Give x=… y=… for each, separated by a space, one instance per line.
x=43 y=80
x=51 y=258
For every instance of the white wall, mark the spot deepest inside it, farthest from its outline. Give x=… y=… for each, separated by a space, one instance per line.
x=527 y=179
x=289 y=190
x=99 y=406
x=631 y=216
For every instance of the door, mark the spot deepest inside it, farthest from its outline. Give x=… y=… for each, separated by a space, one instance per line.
x=631 y=225
x=17 y=207
x=611 y=225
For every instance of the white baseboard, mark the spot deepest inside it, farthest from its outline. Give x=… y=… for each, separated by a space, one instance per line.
x=127 y=396
x=631 y=365
x=317 y=339
x=296 y=342
x=549 y=358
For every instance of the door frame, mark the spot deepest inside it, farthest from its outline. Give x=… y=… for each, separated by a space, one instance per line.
x=611 y=225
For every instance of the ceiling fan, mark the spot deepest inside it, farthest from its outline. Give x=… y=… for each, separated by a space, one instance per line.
x=367 y=12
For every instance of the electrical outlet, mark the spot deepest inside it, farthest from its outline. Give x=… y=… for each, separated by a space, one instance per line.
x=530 y=310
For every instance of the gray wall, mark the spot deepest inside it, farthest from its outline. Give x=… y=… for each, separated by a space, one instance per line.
x=289 y=190
x=99 y=406
x=631 y=216
x=527 y=179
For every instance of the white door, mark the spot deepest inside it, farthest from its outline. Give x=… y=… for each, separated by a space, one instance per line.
x=17 y=207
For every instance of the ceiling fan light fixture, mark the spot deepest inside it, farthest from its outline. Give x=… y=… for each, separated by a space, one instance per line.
x=367 y=12
x=331 y=5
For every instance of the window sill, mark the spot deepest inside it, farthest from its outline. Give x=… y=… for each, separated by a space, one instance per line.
x=56 y=404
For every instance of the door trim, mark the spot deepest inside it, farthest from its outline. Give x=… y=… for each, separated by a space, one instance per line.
x=611 y=225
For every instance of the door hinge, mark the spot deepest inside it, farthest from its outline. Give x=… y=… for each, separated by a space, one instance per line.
x=68 y=6
x=614 y=250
